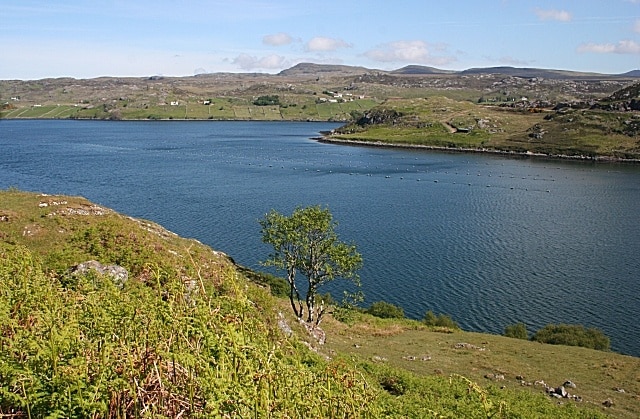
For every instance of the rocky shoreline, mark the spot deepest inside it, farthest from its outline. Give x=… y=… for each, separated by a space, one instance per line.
x=326 y=138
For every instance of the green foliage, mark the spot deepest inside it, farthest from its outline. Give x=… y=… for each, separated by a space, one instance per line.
x=386 y=310
x=267 y=100
x=306 y=243
x=441 y=320
x=518 y=331
x=110 y=243
x=99 y=351
x=348 y=309
x=356 y=115
x=277 y=286
x=573 y=335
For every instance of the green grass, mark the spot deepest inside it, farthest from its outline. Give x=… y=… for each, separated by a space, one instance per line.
x=189 y=334
x=41 y=112
x=434 y=122
x=408 y=345
x=326 y=110
x=301 y=109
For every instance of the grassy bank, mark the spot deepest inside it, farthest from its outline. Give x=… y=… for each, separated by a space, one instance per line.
x=441 y=122
x=218 y=109
x=188 y=334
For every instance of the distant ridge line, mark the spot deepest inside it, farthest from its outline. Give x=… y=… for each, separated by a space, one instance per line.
x=319 y=69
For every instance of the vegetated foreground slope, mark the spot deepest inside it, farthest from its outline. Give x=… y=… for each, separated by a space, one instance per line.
x=183 y=335
x=152 y=324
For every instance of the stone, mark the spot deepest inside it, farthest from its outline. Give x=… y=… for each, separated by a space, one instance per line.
x=569 y=384
x=119 y=274
x=562 y=392
x=284 y=326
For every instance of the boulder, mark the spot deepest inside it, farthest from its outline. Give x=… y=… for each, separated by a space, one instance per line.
x=562 y=392
x=119 y=274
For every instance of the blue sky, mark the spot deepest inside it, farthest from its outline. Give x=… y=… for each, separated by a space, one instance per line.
x=84 y=39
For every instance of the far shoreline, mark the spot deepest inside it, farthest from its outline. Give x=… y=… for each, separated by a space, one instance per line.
x=326 y=138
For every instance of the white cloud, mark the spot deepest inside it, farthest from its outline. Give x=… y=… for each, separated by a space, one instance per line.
x=321 y=43
x=250 y=62
x=622 y=47
x=553 y=14
x=416 y=52
x=87 y=59
x=277 y=39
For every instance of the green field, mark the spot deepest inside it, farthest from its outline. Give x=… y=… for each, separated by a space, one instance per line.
x=218 y=109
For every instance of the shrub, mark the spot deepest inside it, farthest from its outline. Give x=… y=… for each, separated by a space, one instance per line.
x=572 y=335
x=518 y=331
x=267 y=100
x=385 y=310
x=278 y=287
x=440 y=320
x=101 y=351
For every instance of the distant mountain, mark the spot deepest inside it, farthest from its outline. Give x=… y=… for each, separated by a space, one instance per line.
x=420 y=69
x=312 y=69
x=632 y=73
x=531 y=72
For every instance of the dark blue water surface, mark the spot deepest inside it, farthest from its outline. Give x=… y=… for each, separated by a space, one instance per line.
x=489 y=240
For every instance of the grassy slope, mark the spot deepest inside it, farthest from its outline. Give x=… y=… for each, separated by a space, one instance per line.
x=435 y=122
x=220 y=109
x=189 y=333
x=411 y=346
x=185 y=336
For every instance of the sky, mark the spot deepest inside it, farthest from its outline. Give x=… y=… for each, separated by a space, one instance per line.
x=121 y=38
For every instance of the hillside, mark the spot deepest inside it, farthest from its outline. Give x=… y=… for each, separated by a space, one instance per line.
x=306 y=91
x=104 y=315
x=603 y=129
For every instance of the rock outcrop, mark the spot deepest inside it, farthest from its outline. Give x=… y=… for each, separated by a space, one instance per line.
x=119 y=274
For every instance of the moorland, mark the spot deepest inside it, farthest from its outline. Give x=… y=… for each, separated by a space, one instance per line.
x=513 y=110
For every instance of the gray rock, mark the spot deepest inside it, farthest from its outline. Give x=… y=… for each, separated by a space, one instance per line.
x=561 y=391
x=284 y=326
x=117 y=273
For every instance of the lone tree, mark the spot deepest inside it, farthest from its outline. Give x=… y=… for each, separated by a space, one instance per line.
x=306 y=242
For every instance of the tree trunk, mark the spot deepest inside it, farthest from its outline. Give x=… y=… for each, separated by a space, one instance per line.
x=311 y=302
x=294 y=295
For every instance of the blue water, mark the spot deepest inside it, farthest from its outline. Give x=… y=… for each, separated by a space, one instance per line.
x=489 y=240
